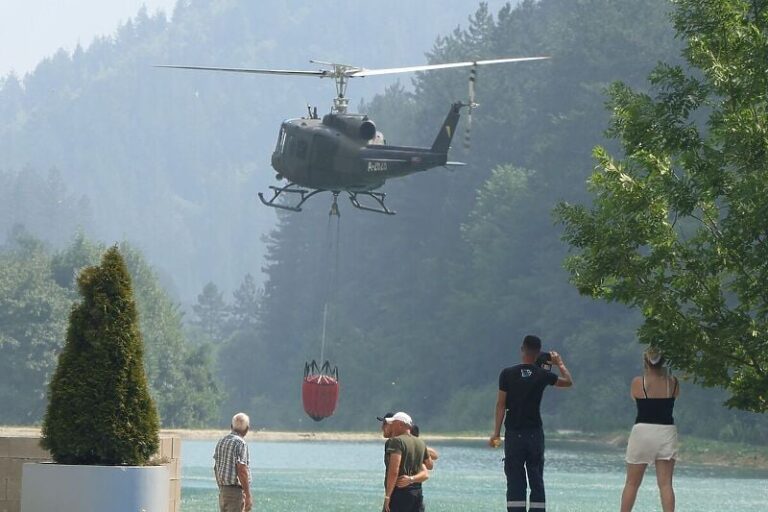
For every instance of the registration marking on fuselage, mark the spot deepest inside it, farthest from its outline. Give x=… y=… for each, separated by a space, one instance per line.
x=377 y=166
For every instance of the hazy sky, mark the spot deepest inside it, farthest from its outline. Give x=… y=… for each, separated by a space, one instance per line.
x=31 y=30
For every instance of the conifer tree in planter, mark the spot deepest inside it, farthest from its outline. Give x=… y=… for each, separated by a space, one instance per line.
x=100 y=411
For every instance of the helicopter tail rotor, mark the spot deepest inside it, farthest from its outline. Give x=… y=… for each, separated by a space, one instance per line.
x=471 y=104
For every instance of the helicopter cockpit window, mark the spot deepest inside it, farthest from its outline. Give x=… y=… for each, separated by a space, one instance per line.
x=301 y=149
x=280 y=141
x=290 y=145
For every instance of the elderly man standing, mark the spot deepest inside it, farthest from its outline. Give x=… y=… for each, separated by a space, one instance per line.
x=231 y=467
x=404 y=456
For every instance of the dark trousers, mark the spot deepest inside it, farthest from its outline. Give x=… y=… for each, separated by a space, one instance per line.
x=524 y=455
x=406 y=499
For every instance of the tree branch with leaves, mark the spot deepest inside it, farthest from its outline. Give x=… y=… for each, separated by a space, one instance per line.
x=677 y=227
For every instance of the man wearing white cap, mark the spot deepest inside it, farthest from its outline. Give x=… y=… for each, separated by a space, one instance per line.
x=404 y=455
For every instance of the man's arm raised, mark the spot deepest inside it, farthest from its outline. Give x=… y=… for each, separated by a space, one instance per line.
x=564 y=380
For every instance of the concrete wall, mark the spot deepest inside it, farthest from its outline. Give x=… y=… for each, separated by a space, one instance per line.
x=15 y=451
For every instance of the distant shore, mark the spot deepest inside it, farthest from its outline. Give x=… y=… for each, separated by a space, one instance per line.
x=260 y=435
x=692 y=451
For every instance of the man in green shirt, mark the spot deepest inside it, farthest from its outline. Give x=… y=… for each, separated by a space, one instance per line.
x=404 y=455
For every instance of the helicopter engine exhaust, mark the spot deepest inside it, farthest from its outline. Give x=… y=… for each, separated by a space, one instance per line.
x=367 y=130
x=354 y=125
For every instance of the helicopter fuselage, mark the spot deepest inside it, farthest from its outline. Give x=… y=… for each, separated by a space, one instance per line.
x=344 y=152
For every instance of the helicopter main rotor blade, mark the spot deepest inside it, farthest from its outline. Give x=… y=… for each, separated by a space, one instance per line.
x=427 y=67
x=249 y=70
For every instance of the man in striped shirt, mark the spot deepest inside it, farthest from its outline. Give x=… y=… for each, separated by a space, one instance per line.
x=231 y=467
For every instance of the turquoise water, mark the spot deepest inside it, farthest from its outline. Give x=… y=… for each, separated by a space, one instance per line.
x=342 y=476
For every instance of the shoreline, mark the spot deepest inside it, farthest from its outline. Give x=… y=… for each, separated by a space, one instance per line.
x=695 y=451
x=263 y=435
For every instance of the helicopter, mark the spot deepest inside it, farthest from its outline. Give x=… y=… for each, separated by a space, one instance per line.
x=343 y=151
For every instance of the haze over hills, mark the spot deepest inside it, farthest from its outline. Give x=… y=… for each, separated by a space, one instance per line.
x=425 y=307
x=172 y=160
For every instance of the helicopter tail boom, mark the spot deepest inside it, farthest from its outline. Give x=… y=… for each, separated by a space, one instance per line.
x=445 y=135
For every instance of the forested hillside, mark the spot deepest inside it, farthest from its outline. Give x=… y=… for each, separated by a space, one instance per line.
x=424 y=308
x=173 y=160
x=428 y=306
x=37 y=291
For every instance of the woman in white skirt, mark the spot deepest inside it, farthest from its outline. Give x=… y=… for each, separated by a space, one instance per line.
x=654 y=436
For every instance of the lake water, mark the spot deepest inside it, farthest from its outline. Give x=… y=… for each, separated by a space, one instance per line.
x=342 y=476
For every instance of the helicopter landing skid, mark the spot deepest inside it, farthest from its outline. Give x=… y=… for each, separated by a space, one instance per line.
x=305 y=194
x=288 y=189
x=376 y=196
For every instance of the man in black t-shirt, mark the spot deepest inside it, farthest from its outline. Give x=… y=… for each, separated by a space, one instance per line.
x=520 y=390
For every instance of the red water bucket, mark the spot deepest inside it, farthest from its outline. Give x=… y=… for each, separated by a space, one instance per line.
x=320 y=390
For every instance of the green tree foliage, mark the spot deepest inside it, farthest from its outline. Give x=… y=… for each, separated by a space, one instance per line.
x=678 y=225
x=33 y=313
x=43 y=204
x=435 y=299
x=211 y=313
x=160 y=151
x=66 y=264
x=37 y=289
x=181 y=375
x=430 y=304
x=100 y=410
x=246 y=305
x=427 y=306
x=236 y=368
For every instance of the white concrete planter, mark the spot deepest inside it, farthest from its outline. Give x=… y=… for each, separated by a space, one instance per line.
x=49 y=487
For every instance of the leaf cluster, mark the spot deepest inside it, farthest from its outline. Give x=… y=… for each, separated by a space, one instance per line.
x=37 y=290
x=677 y=226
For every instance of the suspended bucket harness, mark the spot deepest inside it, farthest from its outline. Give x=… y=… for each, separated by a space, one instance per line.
x=320 y=390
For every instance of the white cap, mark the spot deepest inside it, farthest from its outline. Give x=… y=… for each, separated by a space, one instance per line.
x=400 y=416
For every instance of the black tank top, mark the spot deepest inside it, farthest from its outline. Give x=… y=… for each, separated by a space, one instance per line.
x=657 y=411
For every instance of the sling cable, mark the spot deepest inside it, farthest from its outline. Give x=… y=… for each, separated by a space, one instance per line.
x=320 y=388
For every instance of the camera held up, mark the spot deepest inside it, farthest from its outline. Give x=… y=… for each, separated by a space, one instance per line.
x=544 y=360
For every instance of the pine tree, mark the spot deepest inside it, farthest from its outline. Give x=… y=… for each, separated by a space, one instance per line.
x=100 y=410
x=246 y=307
x=211 y=313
